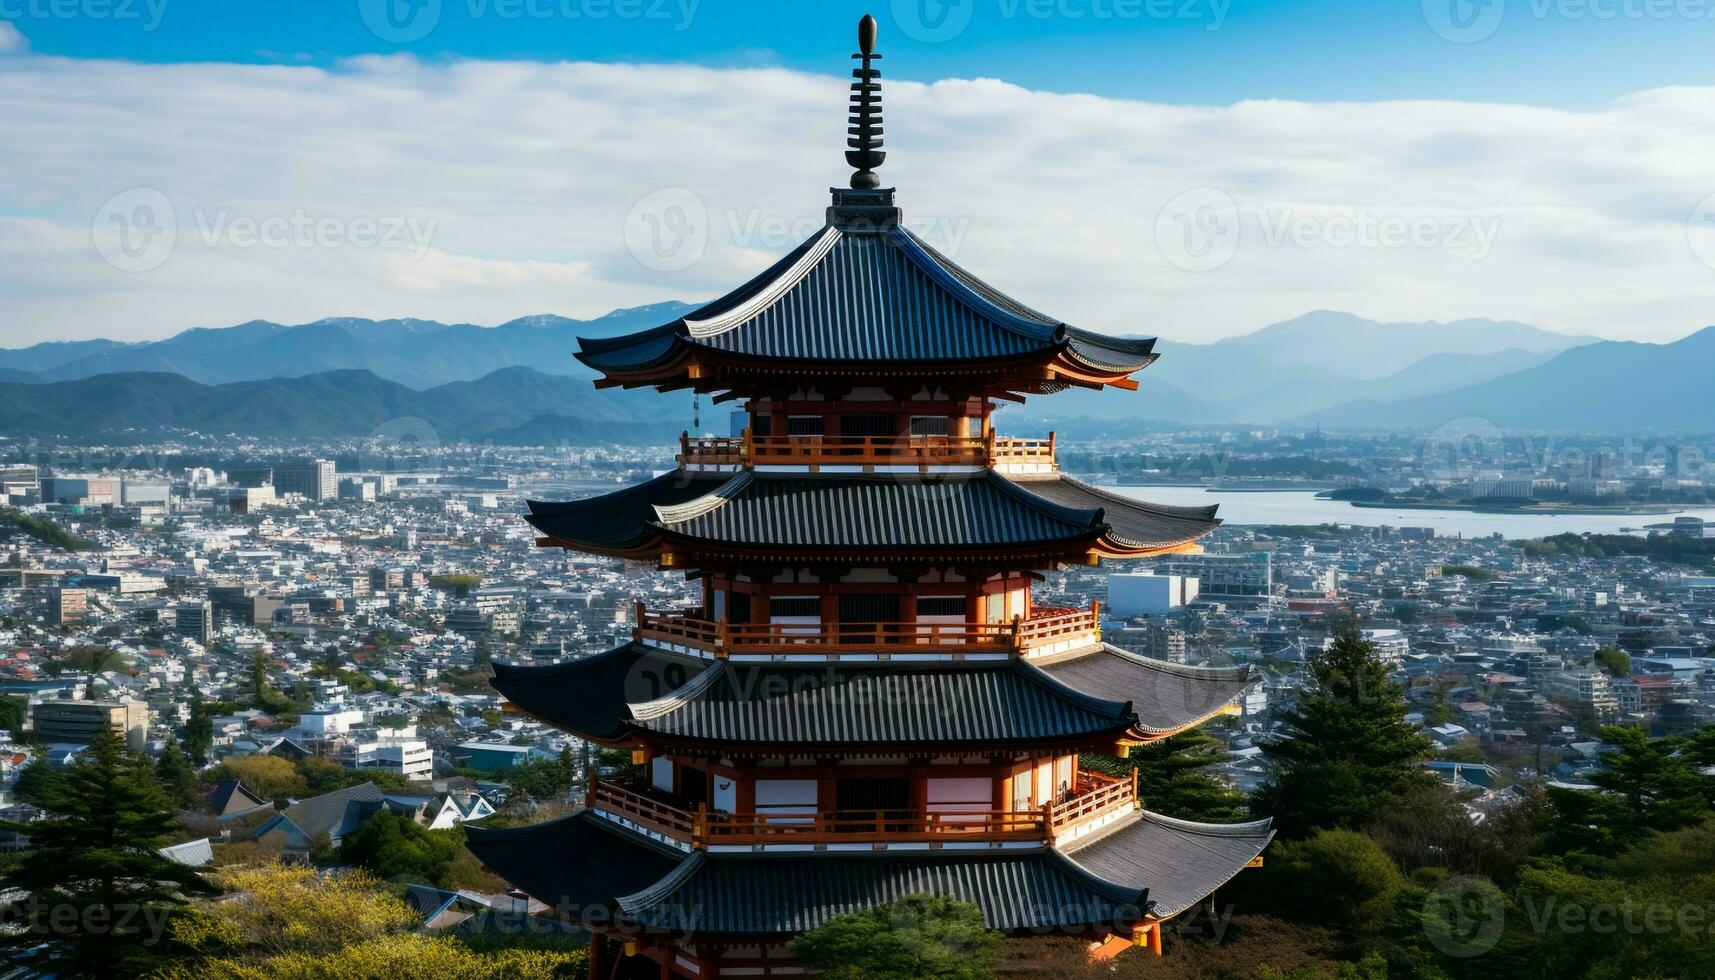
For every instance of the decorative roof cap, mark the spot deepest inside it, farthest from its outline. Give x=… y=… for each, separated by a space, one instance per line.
x=867 y=205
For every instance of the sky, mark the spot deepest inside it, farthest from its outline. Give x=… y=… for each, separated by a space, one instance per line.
x=1187 y=168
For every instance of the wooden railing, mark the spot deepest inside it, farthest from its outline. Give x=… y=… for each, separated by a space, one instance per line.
x=721 y=638
x=641 y=809
x=867 y=826
x=1095 y=795
x=700 y=827
x=924 y=451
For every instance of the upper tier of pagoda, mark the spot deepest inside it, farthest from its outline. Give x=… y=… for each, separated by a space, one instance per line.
x=867 y=301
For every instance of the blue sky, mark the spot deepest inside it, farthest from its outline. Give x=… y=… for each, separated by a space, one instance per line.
x=1542 y=52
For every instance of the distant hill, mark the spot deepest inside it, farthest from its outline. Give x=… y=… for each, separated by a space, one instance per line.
x=416 y=353
x=1288 y=370
x=1324 y=367
x=1608 y=386
x=504 y=406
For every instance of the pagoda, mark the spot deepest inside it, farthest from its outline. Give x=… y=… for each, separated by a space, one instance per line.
x=867 y=703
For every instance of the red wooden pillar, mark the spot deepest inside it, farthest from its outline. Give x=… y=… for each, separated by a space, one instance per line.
x=598 y=956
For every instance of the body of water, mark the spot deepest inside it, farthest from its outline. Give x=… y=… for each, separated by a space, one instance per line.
x=1303 y=507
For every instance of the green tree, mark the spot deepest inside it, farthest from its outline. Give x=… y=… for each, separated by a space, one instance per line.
x=1348 y=750
x=37 y=782
x=177 y=777
x=1645 y=785
x=394 y=846
x=1173 y=777
x=919 y=937
x=13 y=712
x=1353 y=880
x=1616 y=662
x=99 y=890
x=199 y=732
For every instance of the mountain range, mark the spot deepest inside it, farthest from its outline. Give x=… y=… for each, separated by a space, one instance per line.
x=519 y=382
x=515 y=405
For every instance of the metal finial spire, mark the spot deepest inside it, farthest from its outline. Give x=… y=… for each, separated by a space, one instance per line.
x=864 y=131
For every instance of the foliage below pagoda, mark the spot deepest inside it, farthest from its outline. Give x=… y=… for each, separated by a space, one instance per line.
x=291 y=922
x=1349 y=751
x=919 y=937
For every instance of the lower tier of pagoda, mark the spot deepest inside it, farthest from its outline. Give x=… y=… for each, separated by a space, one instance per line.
x=704 y=913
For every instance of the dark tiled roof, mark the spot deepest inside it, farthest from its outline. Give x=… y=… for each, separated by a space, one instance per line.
x=1136 y=523
x=823 y=704
x=229 y=797
x=865 y=297
x=576 y=864
x=881 y=705
x=899 y=511
x=618 y=520
x=335 y=813
x=591 y=696
x=1164 y=696
x=981 y=510
x=1179 y=861
x=772 y=894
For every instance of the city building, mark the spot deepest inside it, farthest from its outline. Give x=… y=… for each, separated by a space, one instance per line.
x=312 y=479
x=867 y=701
x=65 y=720
x=1245 y=576
x=1148 y=594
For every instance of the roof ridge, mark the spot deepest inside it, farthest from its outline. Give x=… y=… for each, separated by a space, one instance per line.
x=638 y=901
x=1237 y=672
x=697 y=507
x=682 y=695
x=1084 y=699
x=770 y=293
x=1085 y=516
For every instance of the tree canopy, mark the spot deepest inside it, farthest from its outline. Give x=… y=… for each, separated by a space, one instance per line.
x=919 y=937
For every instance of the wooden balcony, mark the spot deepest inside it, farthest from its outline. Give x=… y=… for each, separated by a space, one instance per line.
x=865 y=453
x=1047 y=630
x=700 y=828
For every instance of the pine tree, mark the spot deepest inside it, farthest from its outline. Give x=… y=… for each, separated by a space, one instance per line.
x=1347 y=749
x=100 y=893
x=1173 y=777
x=176 y=776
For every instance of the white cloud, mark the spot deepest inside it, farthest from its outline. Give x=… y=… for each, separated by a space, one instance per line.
x=12 y=40
x=509 y=185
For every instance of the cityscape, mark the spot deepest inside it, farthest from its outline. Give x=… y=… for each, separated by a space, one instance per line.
x=797 y=599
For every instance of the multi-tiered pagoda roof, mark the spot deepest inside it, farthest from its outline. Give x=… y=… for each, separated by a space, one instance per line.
x=870 y=700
